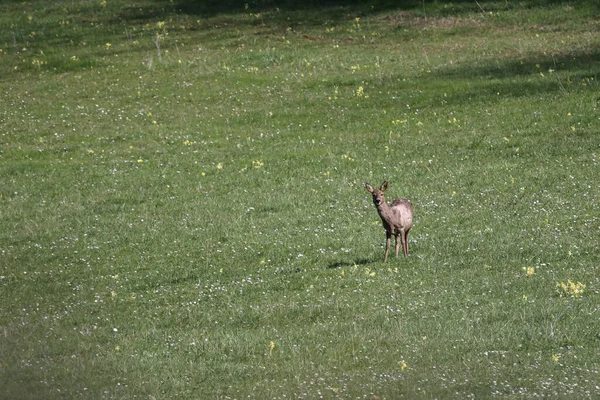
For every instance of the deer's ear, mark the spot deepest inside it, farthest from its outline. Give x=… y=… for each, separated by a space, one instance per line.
x=384 y=186
x=369 y=188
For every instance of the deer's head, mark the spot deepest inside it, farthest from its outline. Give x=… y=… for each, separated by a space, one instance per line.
x=377 y=193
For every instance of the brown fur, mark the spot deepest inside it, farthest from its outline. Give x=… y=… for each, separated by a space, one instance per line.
x=397 y=218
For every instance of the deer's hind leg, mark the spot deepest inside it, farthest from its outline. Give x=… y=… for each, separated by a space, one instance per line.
x=398 y=244
x=405 y=243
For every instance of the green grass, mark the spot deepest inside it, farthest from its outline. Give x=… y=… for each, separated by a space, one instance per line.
x=183 y=212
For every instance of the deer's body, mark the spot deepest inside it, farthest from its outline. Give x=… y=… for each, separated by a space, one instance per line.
x=396 y=217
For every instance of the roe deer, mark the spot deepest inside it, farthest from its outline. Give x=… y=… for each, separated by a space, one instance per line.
x=397 y=218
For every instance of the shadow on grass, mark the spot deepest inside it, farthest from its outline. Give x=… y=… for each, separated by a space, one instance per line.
x=533 y=75
x=530 y=65
x=443 y=8
x=316 y=12
x=316 y=8
x=341 y=264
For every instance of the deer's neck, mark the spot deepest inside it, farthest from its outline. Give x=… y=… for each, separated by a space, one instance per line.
x=384 y=212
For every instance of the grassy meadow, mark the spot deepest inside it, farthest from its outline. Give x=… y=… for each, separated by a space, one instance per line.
x=183 y=212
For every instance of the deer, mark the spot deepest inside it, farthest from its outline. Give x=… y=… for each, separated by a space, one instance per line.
x=397 y=218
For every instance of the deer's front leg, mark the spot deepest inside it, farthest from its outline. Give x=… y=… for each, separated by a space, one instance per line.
x=388 y=239
x=397 y=245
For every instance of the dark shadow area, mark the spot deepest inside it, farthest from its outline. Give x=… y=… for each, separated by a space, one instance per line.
x=539 y=74
x=211 y=7
x=341 y=264
x=535 y=64
x=315 y=12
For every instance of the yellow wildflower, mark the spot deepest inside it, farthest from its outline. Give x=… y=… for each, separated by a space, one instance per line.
x=271 y=347
x=571 y=288
x=402 y=365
